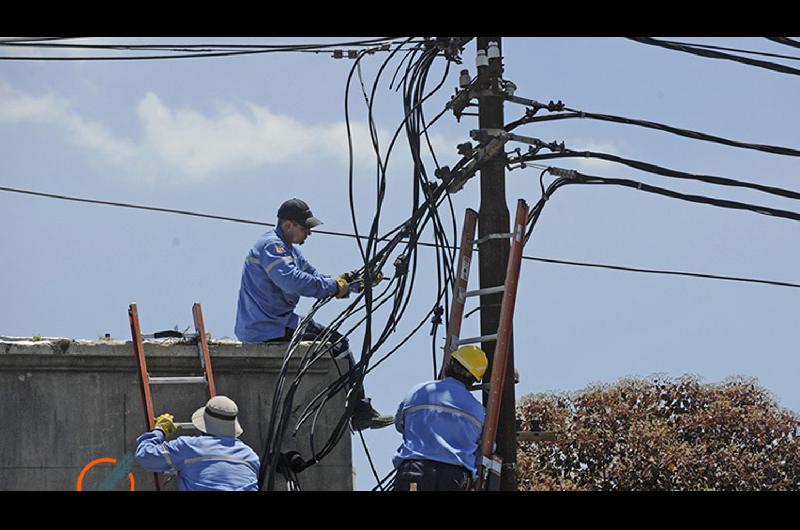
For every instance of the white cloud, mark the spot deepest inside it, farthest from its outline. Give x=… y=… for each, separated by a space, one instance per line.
x=18 y=107
x=184 y=145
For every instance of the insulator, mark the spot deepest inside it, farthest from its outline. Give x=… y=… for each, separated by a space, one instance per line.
x=493 y=51
x=463 y=80
x=481 y=60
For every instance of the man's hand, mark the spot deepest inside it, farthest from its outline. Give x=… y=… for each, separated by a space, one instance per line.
x=344 y=287
x=164 y=422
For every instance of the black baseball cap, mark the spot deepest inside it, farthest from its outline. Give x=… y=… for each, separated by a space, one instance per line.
x=298 y=211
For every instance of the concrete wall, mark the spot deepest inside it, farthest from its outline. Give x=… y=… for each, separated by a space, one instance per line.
x=65 y=403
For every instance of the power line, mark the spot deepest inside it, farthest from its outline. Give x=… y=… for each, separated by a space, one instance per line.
x=421 y=243
x=695 y=135
x=167 y=46
x=785 y=40
x=659 y=170
x=215 y=46
x=307 y=48
x=750 y=52
x=663 y=271
x=717 y=55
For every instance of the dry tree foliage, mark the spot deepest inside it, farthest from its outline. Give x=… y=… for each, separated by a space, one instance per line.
x=660 y=434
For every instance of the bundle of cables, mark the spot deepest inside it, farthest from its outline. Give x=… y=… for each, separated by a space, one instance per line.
x=361 y=313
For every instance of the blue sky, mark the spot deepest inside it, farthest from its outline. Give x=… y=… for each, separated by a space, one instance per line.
x=236 y=136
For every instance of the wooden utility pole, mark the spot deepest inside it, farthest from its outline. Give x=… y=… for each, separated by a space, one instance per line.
x=493 y=258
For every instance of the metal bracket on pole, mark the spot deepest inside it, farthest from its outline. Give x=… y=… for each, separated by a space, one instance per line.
x=484 y=239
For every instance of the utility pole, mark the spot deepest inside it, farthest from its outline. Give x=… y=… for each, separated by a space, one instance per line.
x=493 y=218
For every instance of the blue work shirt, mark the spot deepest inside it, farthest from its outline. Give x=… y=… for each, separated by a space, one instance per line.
x=274 y=277
x=203 y=463
x=440 y=421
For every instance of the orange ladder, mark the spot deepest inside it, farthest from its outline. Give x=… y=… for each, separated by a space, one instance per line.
x=145 y=379
x=490 y=465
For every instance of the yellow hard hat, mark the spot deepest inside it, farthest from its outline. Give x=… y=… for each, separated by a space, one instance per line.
x=473 y=359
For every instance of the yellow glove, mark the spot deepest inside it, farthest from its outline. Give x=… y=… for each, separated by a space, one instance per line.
x=344 y=287
x=164 y=422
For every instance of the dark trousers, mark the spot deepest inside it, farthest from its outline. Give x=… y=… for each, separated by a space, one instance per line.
x=428 y=475
x=340 y=351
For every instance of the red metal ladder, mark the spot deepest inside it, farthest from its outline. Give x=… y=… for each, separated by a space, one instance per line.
x=489 y=462
x=145 y=379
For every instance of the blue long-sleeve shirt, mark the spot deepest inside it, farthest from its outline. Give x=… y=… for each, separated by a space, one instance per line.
x=274 y=277
x=203 y=463
x=440 y=421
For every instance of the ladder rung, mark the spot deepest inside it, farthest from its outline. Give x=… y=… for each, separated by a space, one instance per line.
x=184 y=425
x=536 y=436
x=472 y=340
x=177 y=380
x=487 y=290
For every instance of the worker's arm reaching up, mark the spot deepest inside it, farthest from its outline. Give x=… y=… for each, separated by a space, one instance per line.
x=282 y=268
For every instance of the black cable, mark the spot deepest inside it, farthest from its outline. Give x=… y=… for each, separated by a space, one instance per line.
x=261 y=50
x=718 y=55
x=421 y=243
x=368 y=347
x=181 y=47
x=390 y=478
x=659 y=170
x=700 y=199
x=749 y=52
x=369 y=459
x=380 y=258
x=576 y=177
x=785 y=40
x=573 y=113
x=663 y=271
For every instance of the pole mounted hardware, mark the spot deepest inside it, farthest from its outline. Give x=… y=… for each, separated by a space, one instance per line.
x=473 y=159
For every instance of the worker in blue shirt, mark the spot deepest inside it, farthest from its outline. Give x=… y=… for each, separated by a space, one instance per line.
x=274 y=277
x=441 y=423
x=216 y=461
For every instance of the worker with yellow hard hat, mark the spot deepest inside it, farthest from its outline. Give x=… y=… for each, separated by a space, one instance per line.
x=441 y=423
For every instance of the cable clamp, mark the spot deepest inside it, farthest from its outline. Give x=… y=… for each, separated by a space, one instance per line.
x=559 y=172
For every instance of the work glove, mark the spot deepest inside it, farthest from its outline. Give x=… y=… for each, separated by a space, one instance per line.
x=343 y=287
x=164 y=422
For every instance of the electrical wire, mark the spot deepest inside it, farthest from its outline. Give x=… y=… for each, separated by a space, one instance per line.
x=575 y=177
x=574 y=113
x=203 y=47
x=373 y=260
x=749 y=52
x=717 y=55
x=786 y=41
x=314 y=48
x=660 y=170
x=421 y=243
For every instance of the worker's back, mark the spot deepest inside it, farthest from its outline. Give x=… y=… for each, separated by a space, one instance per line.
x=203 y=463
x=440 y=421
